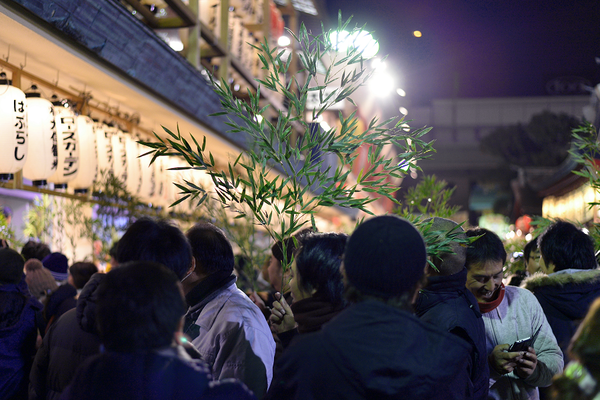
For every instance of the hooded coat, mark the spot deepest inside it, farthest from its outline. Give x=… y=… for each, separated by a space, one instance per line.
x=371 y=351
x=68 y=343
x=565 y=297
x=18 y=333
x=449 y=305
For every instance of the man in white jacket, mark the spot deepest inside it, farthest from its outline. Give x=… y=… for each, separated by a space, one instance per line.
x=510 y=314
x=227 y=328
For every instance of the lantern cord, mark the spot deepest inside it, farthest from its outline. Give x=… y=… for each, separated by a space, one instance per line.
x=57 y=76
x=7 y=56
x=24 y=62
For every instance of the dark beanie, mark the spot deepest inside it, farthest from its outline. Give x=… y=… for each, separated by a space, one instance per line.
x=11 y=266
x=58 y=265
x=385 y=257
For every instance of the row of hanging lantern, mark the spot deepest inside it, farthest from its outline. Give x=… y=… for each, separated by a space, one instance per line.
x=50 y=143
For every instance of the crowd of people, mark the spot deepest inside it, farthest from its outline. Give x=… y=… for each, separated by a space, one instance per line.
x=367 y=316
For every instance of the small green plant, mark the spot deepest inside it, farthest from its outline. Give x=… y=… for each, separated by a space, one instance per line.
x=7 y=234
x=38 y=219
x=429 y=197
x=282 y=182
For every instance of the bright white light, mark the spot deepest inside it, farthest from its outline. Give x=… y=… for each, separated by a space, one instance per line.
x=528 y=237
x=258 y=118
x=585 y=230
x=176 y=45
x=381 y=84
x=406 y=128
x=403 y=110
x=283 y=41
x=361 y=40
x=401 y=92
x=236 y=87
x=325 y=125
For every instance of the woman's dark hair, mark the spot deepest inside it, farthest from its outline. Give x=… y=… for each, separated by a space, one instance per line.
x=81 y=272
x=488 y=247
x=140 y=305
x=158 y=241
x=33 y=249
x=318 y=265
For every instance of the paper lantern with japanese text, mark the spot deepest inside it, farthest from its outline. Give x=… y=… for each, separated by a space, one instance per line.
x=42 y=151
x=133 y=173
x=88 y=169
x=159 y=196
x=104 y=146
x=13 y=127
x=67 y=146
x=119 y=154
x=147 y=174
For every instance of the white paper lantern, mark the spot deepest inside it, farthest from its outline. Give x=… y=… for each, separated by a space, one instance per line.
x=159 y=194
x=88 y=168
x=119 y=154
x=133 y=168
x=67 y=147
x=42 y=151
x=104 y=146
x=13 y=128
x=148 y=175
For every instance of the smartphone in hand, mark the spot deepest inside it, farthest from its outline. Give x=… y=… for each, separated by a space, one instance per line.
x=521 y=345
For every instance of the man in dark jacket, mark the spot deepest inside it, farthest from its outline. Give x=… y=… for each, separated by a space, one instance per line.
x=448 y=304
x=68 y=343
x=139 y=316
x=376 y=348
x=570 y=282
x=18 y=328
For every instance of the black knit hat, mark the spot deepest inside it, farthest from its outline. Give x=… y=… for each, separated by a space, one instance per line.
x=385 y=257
x=11 y=266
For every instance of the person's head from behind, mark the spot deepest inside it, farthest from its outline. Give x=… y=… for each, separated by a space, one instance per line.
x=158 y=241
x=453 y=262
x=563 y=246
x=11 y=266
x=140 y=307
x=37 y=250
x=531 y=256
x=485 y=264
x=80 y=273
x=384 y=260
x=316 y=268
x=211 y=250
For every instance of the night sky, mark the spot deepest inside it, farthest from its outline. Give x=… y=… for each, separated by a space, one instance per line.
x=482 y=48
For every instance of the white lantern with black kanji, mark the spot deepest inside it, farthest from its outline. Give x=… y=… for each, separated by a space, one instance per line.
x=88 y=169
x=104 y=146
x=67 y=146
x=42 y=151
x=158 y=196
x=13 y=128
x=133 y=181
x=119 y=154
x=147 y=173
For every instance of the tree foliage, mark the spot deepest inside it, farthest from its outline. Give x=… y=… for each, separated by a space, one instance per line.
x=282 y=183
x=543 y=142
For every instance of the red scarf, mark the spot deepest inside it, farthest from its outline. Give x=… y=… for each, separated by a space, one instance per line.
x=487 y=307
